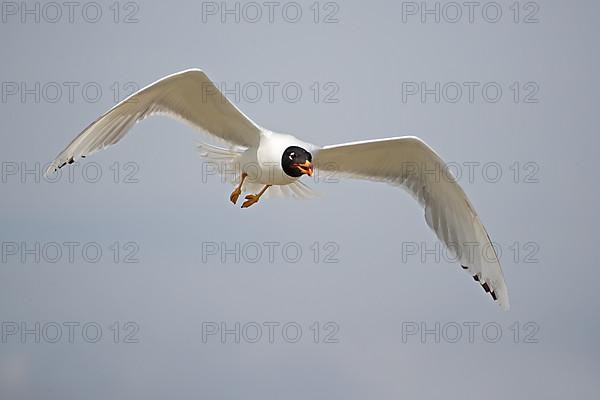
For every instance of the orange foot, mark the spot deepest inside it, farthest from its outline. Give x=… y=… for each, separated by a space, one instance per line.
x=250 y=199
x=235 y=195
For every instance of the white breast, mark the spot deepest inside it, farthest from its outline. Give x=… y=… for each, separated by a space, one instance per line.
x=263 y=165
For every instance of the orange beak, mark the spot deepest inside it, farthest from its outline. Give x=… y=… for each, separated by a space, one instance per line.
x=306 y=168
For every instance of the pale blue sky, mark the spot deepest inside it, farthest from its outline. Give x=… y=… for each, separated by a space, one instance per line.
x=362 y=61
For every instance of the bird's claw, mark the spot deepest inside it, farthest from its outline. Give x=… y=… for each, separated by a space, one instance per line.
x=235 y=195
x=250 y=199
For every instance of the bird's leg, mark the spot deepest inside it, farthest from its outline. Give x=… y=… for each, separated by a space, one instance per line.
x=253 y=198
x=238 y=190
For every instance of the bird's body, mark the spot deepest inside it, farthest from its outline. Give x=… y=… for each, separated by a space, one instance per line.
x=263 y=164
x=258 y=160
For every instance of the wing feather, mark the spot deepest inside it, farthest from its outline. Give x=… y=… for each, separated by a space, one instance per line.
x=189 y=96
x=409 y=163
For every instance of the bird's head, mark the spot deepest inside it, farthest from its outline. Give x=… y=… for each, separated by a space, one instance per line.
x=296 y=162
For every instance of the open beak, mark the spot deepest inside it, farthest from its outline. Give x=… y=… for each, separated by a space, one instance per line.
x=306 y=168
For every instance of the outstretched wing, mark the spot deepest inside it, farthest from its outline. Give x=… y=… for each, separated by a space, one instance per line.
x=189 y=96
x=410 y=163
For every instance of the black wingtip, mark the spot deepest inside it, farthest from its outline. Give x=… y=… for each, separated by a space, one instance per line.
x=485 y=287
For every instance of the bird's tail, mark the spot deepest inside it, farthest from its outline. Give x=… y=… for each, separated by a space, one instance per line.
x=224 y=160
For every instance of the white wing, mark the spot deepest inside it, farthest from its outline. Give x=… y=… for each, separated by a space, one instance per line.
x=188 y=95
x=410 y=163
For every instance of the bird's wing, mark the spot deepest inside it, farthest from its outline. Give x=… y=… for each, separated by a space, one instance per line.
x=189 y=96
x=411 y=164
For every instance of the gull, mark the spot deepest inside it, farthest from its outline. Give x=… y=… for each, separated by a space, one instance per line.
x=263 y=161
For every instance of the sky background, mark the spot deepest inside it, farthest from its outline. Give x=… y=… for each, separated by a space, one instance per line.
x=370 y=277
